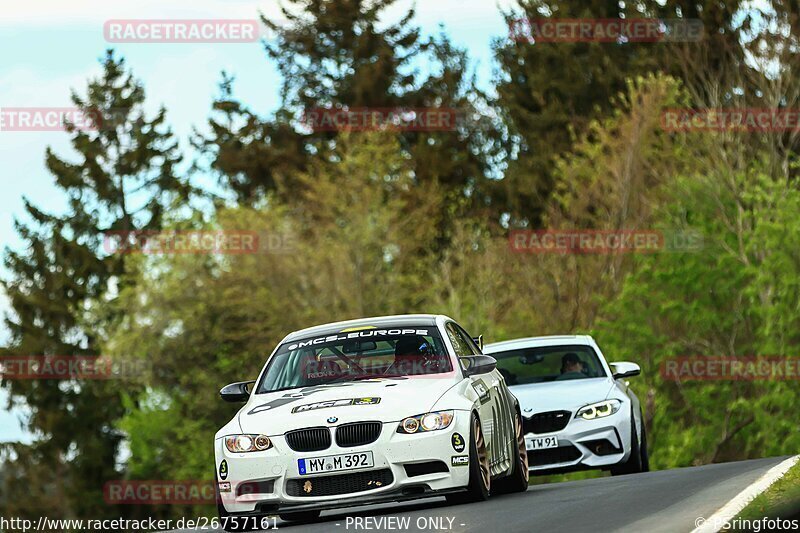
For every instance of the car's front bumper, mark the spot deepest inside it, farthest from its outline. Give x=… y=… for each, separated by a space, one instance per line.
x=270 y=472
x=584 y=444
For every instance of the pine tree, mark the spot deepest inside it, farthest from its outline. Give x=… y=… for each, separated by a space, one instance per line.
x=334 y=54
x=124 y=179
x=550 y=91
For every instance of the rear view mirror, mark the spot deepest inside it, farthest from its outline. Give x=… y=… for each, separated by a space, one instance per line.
x=531 y=359
x=358 y=346
x=236 y=392
x=477 y=364
x=624 y=369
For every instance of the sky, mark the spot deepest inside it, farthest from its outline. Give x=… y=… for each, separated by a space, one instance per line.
x=51 y=47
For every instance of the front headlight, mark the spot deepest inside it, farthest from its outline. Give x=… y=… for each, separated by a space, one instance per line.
x=247 y=443
x=426 y=422
x=599 y=409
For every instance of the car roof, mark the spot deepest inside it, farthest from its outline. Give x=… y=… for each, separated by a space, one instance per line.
x=378 y=321
x=529 y=342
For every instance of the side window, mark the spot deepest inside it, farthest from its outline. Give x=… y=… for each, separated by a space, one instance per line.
x=469 y=341
x=460 y=345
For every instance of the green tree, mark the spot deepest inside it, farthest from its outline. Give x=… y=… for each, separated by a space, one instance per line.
x=548 y=93
x=123 y=179
x=358 y=242
x=339 y=54
x=734 y=297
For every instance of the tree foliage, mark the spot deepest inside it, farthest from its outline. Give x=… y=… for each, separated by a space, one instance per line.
x=361 y=224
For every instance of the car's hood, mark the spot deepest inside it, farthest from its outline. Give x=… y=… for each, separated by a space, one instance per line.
x=384 y=400
x=557 y=395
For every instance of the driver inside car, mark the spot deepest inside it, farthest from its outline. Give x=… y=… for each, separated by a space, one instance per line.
x=412 y=355
x=571 y=367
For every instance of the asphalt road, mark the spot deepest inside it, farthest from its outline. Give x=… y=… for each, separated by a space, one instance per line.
x=667 y=500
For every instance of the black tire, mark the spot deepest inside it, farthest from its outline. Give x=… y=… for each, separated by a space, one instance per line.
x=517 y=481
x=634 y=463
x=643 y=446
x=300 y=516
x=480 y=478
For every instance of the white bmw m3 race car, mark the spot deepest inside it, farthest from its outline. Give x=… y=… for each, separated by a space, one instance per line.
x=578 y=411
x=365 y=411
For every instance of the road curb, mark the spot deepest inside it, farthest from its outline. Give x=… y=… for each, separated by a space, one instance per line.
x=729 y=511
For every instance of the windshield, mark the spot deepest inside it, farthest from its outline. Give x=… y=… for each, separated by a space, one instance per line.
x=356 y=355
x=548 y=363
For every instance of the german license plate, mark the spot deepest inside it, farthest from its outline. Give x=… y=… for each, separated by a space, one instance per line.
x=335 y=463
x=540 y=443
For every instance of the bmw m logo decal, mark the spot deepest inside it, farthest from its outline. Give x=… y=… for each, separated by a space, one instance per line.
x=332 y=420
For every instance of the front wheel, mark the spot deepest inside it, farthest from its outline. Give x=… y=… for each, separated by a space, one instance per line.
x=480 y=477
x=517 y=480
x=643 y=446
x=634 y=463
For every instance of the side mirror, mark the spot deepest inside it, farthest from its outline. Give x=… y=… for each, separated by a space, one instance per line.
x=625 y=369
x=479 y=341
x=477 y=364
x=236 y=392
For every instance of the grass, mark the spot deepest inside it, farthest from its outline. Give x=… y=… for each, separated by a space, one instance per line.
x=781 y=499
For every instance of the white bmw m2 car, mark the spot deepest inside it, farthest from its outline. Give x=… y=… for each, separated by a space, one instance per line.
x=578 y=411
x=364 y=411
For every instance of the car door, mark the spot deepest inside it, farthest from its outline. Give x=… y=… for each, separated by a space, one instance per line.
x=493 y=407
